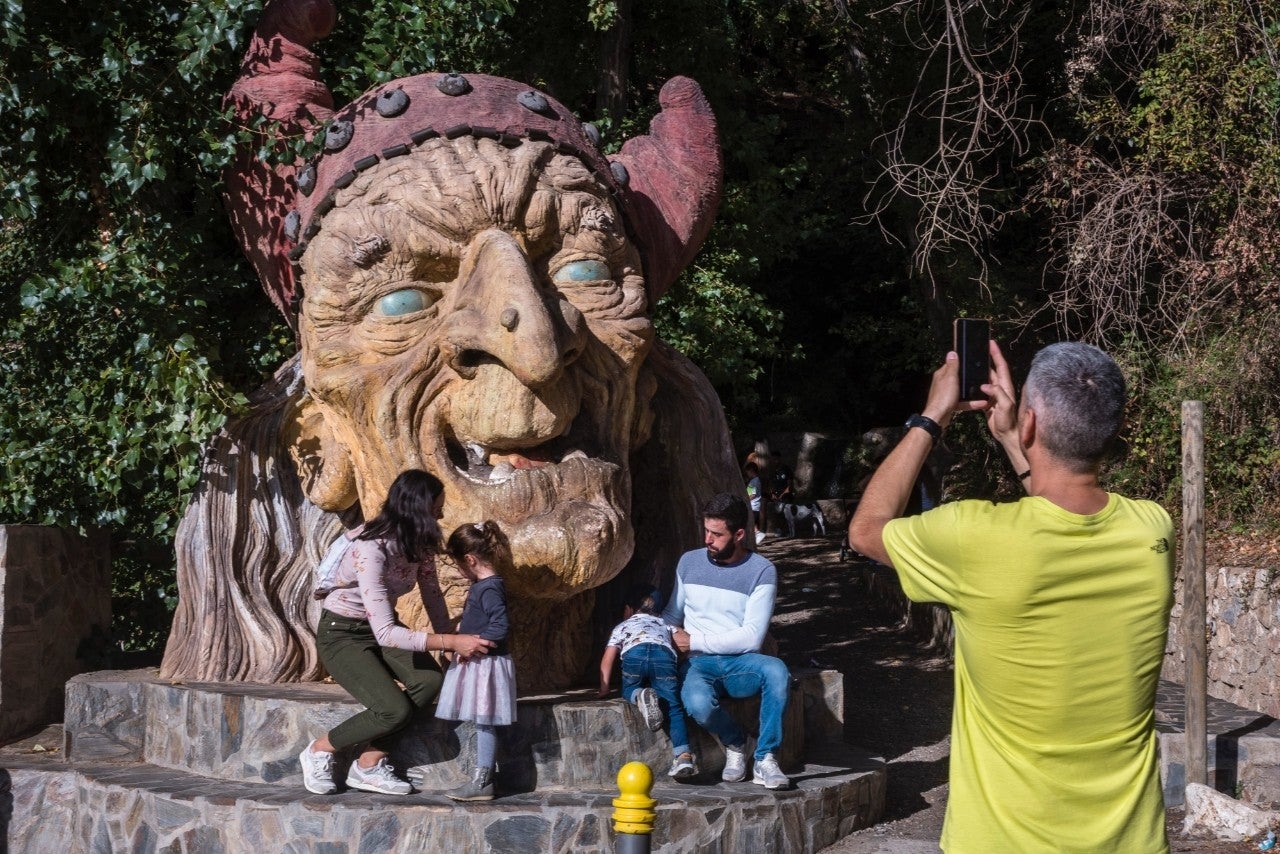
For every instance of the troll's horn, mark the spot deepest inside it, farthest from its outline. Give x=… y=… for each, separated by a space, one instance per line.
x=279 y=80
x=673 y=178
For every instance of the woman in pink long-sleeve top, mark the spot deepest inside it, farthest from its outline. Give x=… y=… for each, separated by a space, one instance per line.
x=367 y=650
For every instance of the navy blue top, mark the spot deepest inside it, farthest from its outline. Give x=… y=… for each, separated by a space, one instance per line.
x=485 y=613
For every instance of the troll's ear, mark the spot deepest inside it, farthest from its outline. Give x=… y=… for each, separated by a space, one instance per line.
x=673 y=177
x=324 y=464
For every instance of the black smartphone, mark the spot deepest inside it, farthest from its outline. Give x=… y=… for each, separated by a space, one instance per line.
x=972 y=336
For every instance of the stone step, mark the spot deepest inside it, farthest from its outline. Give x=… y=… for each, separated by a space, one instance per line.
x=247 y=732
x=109 y=806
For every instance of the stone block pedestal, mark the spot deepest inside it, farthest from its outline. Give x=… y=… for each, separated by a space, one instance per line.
x=1242 y=749
x=154 y=765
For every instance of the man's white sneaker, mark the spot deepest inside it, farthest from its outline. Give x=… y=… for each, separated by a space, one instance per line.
x=646 y=700
x=317 y=771
x=683 y=766
x=735 y=765
x=768 y=774
x=380 y=778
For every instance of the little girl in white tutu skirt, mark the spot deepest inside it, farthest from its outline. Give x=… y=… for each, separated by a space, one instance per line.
x=481 y=688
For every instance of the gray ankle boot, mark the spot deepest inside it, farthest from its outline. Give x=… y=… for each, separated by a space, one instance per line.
x=479 y=788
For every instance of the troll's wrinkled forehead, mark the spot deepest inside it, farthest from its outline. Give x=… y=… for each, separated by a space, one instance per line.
x=415 y=218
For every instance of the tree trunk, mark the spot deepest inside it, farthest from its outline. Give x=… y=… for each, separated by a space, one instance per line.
x=615 y=62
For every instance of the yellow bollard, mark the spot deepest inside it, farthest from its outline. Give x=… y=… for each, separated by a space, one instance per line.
x=633 y=813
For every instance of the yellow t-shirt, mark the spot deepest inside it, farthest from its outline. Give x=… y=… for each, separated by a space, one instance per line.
x=1060 y=623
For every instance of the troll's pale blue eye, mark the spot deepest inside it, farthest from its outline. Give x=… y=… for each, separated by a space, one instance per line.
x=406 y=301
x=583 y=271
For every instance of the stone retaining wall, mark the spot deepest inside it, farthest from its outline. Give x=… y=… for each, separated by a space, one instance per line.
x=55 y=589
x=1243 y=614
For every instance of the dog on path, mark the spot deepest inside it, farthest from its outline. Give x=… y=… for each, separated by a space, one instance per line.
x=793 y=514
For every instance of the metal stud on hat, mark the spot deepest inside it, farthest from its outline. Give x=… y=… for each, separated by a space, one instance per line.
x=392 y=103
x=453 y=85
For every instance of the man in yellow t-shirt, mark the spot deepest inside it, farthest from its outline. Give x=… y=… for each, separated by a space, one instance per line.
x=1060 y=603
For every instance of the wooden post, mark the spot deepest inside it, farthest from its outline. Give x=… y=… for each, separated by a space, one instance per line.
x=1193 y=571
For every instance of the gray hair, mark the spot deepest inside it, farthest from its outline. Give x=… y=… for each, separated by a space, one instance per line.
x=1078 y=394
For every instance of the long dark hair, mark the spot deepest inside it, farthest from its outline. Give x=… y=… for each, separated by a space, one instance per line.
x=408 y=515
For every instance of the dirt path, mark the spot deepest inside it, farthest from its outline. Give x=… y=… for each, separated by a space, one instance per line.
x=898 y=695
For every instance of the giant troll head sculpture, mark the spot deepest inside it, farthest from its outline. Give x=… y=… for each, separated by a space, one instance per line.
x=470 y=281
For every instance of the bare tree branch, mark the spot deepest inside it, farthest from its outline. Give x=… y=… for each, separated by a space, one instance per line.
x=968 y=101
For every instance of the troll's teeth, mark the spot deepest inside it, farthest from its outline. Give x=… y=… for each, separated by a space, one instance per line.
x=475 y=453
x=502 y=471
x=576 y=455
x=517 y=461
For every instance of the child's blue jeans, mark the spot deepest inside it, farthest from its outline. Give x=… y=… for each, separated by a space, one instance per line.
x=654 y=665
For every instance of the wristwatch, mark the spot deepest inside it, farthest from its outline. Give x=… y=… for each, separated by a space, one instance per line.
x=924 y=422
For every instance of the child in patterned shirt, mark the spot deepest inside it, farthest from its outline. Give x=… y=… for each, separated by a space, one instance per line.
x=649 y=673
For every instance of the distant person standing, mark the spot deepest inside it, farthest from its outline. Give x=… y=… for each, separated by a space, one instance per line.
x=1060 y=603
x=755 y=498
x=762 y=458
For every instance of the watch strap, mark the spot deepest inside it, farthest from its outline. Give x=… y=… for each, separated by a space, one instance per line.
x=924 y=422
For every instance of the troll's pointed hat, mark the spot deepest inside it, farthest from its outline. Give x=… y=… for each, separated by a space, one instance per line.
x=667 y=183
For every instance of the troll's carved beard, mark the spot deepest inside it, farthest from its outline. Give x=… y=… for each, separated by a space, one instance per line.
x=478 y=312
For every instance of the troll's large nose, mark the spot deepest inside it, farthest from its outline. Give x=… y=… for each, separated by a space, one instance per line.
x=501 y=313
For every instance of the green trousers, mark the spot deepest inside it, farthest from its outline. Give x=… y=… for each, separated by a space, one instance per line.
x=369 y=672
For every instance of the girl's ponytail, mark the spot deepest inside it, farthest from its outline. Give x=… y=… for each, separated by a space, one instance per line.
x=485 y=540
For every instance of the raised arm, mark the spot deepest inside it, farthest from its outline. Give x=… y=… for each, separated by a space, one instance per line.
x=886 y=495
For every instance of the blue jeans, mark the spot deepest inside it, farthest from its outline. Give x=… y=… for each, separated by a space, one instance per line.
x=707 y=678
x=655 y=665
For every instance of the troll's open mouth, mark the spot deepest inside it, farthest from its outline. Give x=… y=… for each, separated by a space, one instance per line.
x=482 y=463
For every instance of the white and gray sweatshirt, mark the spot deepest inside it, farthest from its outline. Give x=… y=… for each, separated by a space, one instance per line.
x=725 y=609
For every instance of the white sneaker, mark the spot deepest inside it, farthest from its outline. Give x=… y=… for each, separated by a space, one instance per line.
x=380 y=778
x=735 y=765
x=683 y=766
x=317 y=771
x=646 y=700
x=768 y=774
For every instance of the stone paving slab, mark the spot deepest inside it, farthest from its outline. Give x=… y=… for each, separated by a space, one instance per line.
x=1242 y=748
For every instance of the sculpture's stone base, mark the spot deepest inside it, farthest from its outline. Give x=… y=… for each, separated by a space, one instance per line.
x=201 y=767
x=112 y=808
